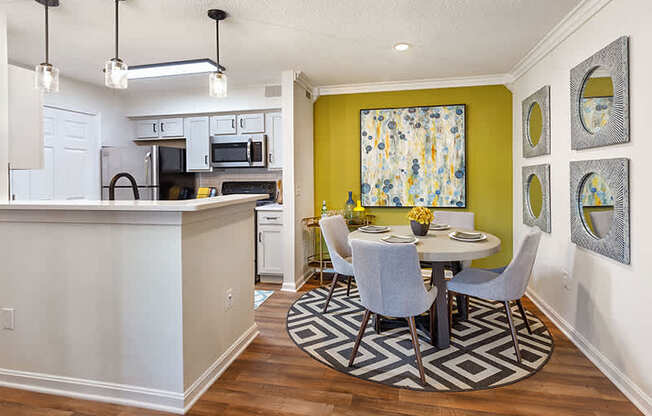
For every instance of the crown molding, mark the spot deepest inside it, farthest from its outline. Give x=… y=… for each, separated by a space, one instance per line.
x=584 y=11
x=472 y=81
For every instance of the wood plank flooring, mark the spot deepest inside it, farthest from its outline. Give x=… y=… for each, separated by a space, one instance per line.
x=273 y=377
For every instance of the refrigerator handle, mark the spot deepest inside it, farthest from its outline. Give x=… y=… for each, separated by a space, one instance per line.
x=148 y=160
x=154 y=182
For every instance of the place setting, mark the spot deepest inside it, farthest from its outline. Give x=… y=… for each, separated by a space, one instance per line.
x=467 y=236
x=374 y=229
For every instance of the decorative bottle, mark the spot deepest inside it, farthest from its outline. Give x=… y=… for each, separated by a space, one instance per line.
x=324 y=210
x=348 y=208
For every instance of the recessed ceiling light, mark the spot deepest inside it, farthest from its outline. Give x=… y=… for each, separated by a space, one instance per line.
x=401 y=47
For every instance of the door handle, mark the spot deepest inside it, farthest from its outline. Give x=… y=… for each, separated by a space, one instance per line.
x=162 y=128
x=205 y=159
x=232 y=123
x=249 y=151
x=260 y=236
x=154 y=127
x=241 y=120
x=271 y=218
x=270 y=158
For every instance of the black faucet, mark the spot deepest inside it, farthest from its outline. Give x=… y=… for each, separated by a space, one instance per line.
x=134 y=187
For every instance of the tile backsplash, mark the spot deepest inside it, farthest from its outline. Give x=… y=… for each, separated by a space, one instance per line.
x=215 y=178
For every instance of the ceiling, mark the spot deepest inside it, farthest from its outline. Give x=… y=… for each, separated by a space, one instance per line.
x=331 y=41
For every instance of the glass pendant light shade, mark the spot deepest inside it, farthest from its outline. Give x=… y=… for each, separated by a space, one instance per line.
x=217 y=84
x=116 y=74
x=46 y=78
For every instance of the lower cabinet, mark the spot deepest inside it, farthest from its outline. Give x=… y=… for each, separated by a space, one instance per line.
x=269 y=243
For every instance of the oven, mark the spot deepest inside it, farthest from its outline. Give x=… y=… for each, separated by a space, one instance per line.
x=248 y=151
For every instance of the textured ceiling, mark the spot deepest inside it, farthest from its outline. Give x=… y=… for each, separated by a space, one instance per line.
x=332 y=41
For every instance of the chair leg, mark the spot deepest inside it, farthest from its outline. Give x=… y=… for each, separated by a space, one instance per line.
x=363 y=326
x=508 y=310
x=348 y=287
x=432 y=323
x=417 y=350
x=330 y=292
x=377 y=323
x=522 y=309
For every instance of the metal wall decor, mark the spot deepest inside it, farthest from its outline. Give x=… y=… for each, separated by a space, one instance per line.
x=532 y=148
x=614 y=173
x=543 y=220
x=613 y=128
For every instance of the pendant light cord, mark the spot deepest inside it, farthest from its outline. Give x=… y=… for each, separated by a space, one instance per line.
x=217 y=38
x=117 y=26
x=47 y=35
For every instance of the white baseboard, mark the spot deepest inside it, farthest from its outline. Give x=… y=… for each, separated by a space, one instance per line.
x=98 y=391
x=634 y=393
x=127 y=395
x=199 y=387
x=295 y=286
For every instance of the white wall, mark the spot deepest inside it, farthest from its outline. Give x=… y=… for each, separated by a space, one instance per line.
x=606 y=305
x=4 y=123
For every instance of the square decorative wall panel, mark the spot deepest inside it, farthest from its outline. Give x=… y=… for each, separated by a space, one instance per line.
x=536 y=123
x=599 y=89
x=536 y=196
x=599 y=200
x=413 y=156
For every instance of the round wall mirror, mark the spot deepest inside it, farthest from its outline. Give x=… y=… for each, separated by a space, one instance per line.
x=597 y=99
x=535 y=196
x=535 y=124
x=596 y=205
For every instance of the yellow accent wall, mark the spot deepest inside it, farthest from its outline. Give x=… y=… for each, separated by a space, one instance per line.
x=488 y=153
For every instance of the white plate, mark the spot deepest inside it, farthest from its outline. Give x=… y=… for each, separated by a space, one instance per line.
x=468 y=240
x=439 y=227
x=374 y=229
x=413 y=240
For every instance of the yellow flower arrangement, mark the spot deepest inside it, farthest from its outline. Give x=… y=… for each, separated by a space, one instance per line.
x=422 y=215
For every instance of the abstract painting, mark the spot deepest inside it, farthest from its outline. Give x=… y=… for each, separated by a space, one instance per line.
x=413 y=156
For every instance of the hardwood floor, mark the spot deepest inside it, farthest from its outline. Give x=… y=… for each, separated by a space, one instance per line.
x=274 y=377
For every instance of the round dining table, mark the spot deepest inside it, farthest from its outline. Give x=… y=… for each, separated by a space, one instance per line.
x=437 y=251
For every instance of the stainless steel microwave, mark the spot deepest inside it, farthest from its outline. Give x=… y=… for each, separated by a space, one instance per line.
x=247 y=151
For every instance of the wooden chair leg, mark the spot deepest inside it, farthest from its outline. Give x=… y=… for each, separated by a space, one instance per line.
x=363 y=326
x=377 y=323
x=330 y=292
x=508 y=310
x=348 y=287
x=522 y=309
x=417 y=350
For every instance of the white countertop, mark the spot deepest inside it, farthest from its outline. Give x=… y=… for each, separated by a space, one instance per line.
x=270 y=207
x=148 y=206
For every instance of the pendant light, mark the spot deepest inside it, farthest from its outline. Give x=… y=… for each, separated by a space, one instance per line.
x=46 y=76
x=115 y=70
x=217 y=79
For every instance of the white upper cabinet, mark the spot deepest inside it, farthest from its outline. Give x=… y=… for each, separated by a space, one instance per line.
x=223 y=124
x=198 y=144
x=146 y=129
x=25 y=120
x=251 y=123
x=171 y=127
x=274 y=132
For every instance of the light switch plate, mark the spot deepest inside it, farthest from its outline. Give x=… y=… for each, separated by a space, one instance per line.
x=228 y=300
x=7 y=318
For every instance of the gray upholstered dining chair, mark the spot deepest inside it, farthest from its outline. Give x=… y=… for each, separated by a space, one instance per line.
x=336 y=235
x=389 y=283
x=506 y=286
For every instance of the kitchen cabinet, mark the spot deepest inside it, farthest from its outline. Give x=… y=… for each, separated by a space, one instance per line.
x=223 y=124
x=274 y=133
x=171 y=127
x=165 y=127
x=198 y=144
x=25 y=120
x=251 y=123
x=269 y=243
x=146 y=129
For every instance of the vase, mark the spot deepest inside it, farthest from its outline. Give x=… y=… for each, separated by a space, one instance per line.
x=418 y=228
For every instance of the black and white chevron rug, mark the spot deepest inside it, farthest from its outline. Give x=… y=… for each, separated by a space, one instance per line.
x=481 y=354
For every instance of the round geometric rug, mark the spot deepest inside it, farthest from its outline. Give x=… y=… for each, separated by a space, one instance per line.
x=481 y=353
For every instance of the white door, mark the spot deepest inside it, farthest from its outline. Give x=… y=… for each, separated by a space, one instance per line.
x=71 y=160
x=198 y=144
x=270 y=254
x=171 y=127
x=223 y=124
x=274 y=140
x=146 y=129
x=251 y=123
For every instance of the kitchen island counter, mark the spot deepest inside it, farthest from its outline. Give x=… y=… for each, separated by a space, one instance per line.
x=142 y=303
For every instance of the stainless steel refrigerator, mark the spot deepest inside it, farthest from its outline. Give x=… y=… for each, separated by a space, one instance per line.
x=157 y=170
